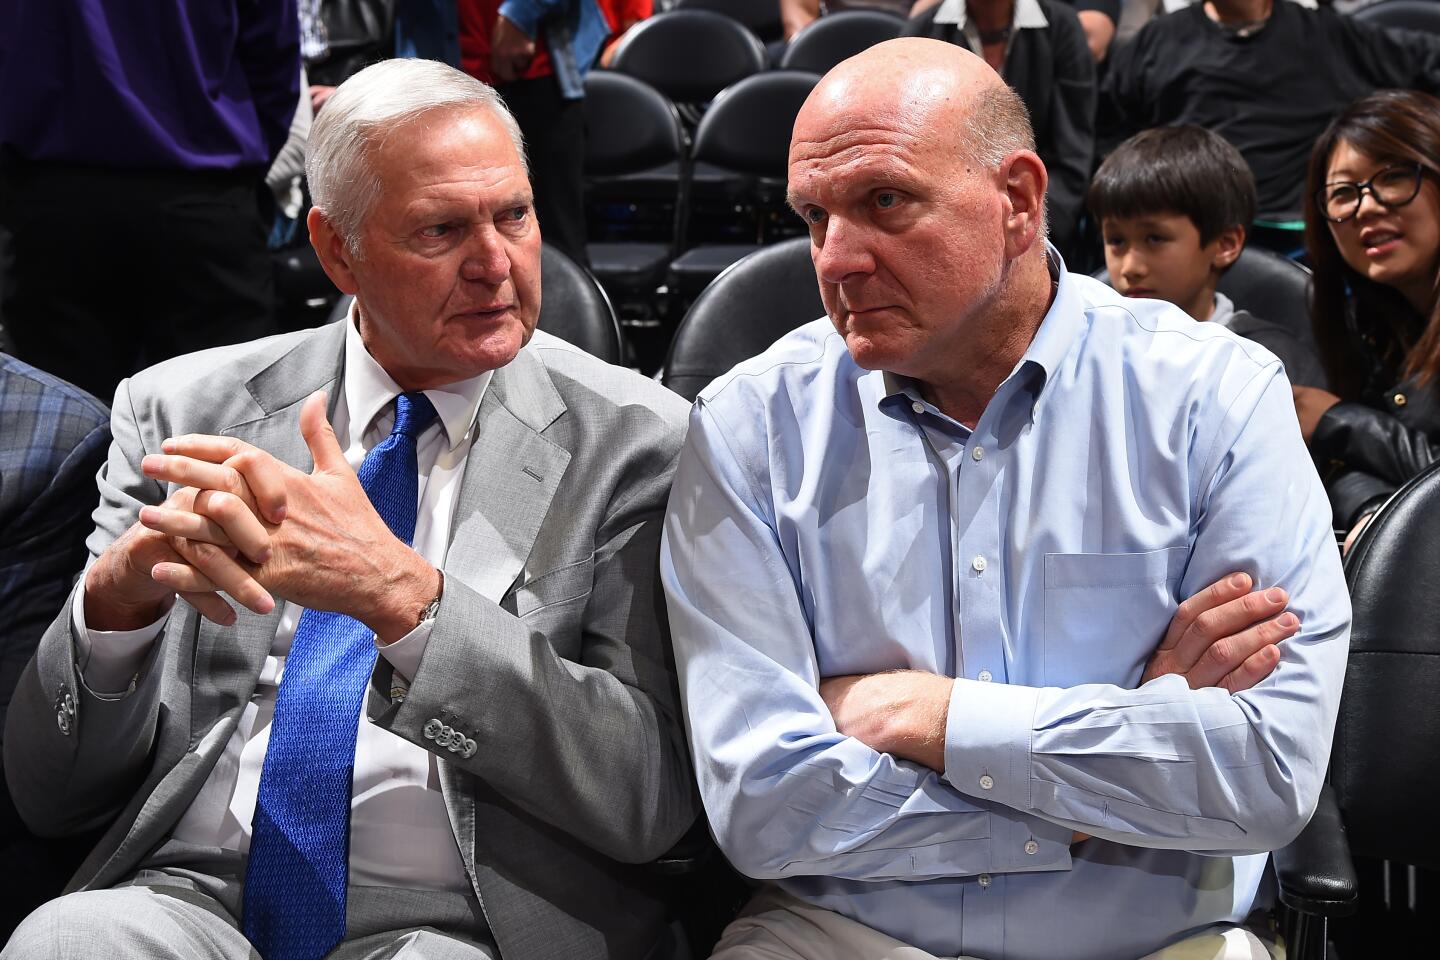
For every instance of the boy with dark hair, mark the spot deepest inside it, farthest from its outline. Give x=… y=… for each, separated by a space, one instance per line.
x=1173 y=205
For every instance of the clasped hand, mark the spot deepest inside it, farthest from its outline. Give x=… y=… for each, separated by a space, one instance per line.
x=251 y=526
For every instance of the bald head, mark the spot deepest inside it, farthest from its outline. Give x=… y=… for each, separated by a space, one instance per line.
x=940 y=92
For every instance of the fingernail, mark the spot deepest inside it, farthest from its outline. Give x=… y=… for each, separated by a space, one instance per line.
x=279 y=514
x=1275 y=595
x=1289 y=621
x=1238 y=580
x=168 y=445
x=264 y=556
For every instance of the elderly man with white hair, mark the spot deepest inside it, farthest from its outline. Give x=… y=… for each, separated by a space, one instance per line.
x=368 y=661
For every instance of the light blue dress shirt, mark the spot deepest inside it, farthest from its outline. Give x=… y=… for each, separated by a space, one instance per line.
x=825 y=520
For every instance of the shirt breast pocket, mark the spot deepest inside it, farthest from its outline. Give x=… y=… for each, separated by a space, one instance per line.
x=1106 y=612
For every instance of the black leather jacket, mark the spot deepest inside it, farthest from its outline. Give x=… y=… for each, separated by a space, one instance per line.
x=1369 y=447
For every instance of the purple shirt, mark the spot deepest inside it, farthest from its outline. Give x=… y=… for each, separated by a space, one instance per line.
x=189 y=84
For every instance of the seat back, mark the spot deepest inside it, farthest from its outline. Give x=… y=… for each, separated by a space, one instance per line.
x=630 y=126
x=573 y=307
x=747 y=308
x=838 y=36
x=760 y=17
x=1405 y=14
x=747 y=128
x=689 y=55
x=1271 y=287
x=1383 y=765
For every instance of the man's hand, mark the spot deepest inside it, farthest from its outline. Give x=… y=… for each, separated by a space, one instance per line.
x=319 y=93
x=1225 y=636
x=1310 y=405
x=510 y=51
x=134 y=581
x=328 y=548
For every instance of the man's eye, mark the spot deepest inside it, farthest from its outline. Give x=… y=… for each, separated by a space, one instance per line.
x=886 y=200
x=517 y=213
x=1155 y=238
x=1114 y=242
x=436 y=231
x=813 y=214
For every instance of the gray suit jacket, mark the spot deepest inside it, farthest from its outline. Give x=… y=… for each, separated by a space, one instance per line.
x=548 y=650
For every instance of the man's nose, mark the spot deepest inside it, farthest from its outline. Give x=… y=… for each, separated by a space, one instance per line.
x=844 y=252
x=487 y=260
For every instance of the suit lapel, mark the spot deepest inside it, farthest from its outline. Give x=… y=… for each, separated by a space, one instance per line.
x=510 y=480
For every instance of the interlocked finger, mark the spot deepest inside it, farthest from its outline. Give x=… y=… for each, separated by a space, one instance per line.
x=226 y=573
x=1260 y=665
x=262 y=473
x=189 y=472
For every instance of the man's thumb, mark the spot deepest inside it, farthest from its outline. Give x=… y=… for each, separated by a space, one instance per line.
x=320 y=436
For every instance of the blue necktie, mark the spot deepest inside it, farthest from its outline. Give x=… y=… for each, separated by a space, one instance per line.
x=295 y=882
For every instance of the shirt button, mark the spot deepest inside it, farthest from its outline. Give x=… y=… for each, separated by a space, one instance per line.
x=917 y=406
x=984 y=880
x=978 y=453
x=986 y=781
x=1031 y=847
x=984 y=675
x=978 y=564
x=1400 y=400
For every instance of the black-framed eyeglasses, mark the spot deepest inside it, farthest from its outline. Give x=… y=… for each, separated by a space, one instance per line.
x=1391 y=187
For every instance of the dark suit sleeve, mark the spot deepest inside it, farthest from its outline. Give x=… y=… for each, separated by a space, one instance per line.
x=268 y=49
x=42 y=549
x=74 y=777
x=1068 y=145
x=1363 y=438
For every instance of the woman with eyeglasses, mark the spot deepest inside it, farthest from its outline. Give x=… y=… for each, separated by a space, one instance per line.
x=1372 y=229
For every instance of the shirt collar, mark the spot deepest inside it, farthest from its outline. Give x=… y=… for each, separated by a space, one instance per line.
x=1224 y=310
x=369 y=391
x=1058 y=329
x=1028 y=15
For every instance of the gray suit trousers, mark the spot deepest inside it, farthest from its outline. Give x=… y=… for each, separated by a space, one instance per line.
x=184 y=904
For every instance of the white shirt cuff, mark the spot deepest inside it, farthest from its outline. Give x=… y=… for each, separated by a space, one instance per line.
x=405 y=654
x=108 y=660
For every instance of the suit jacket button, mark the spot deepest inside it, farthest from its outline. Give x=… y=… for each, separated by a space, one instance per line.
x=432 y=729
x=63 y=719
x=470 y=748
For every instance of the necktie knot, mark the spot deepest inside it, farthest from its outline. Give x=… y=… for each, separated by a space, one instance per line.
x=413 y=413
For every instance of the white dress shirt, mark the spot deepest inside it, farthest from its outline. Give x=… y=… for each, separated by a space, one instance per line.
x=400 y=832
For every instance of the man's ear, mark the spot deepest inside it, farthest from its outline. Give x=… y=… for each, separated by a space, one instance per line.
x=1228 y=245
x=1025 y=179
x=335 y=255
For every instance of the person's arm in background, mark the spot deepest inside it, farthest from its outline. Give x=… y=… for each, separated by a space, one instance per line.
x=1098 y=18
x=1387 y=57
x=627 y=14
x=268 y=48
x=796 y=15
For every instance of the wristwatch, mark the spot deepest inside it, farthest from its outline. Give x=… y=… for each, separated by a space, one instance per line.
x=432 y=609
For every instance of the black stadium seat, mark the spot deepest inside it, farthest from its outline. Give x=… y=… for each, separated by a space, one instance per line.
x=689 y=55
x=634 y=158
x=839 y=36
x=751 y=305
x=761 y=17
x=1384 y=779
x=738 y=174
x=572 y=307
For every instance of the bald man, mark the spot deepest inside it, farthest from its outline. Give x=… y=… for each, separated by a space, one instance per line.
x=924 y=560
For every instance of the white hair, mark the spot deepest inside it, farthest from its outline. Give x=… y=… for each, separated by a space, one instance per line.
x=363 y=111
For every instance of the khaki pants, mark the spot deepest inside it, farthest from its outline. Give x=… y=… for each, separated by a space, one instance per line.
x=777 y=926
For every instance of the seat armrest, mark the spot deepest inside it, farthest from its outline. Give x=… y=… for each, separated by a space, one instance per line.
x=690 y=853
x=1315 y=873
